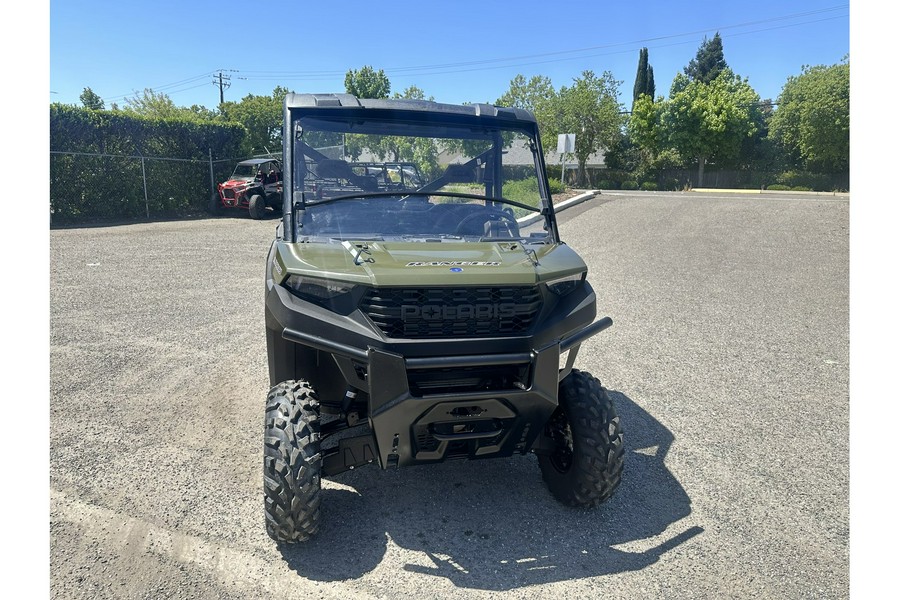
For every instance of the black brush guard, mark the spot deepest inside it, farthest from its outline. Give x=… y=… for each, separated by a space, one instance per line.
x=417 y=428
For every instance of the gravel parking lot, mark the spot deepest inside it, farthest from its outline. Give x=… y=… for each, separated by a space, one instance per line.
x=728 y=361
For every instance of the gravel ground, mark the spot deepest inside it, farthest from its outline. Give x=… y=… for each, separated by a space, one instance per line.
x=728 y=362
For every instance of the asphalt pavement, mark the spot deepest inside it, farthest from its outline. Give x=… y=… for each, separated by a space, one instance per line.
x=727 y=360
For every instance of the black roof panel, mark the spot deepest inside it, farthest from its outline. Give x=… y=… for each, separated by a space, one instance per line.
x=350 y=101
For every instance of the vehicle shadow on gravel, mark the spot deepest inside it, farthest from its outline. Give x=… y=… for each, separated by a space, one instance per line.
x=493 y=525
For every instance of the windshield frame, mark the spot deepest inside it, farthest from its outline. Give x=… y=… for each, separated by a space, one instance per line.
x=393 y=117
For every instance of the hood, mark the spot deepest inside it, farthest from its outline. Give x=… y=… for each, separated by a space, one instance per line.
x=382 y=263
x=233 y=183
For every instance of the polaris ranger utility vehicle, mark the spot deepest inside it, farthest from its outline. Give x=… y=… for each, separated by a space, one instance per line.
x=409 y=325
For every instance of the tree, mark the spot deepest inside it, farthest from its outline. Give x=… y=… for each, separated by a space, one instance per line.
x=812 y=121
x=413 y=93
x=91 y=100
x=153 y=104
x=366 y=83
x=423 y=152
x=262 y=117
x=645 y=131
x=709 y=121
x=590 y=109
x=643 y=81
x=203 y=113
x=757 y=151
x=709 y=62
x=538 y=96
x=644 y=124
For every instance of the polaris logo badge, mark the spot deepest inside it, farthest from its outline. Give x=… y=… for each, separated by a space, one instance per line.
x=459 y=312
x=455 y=263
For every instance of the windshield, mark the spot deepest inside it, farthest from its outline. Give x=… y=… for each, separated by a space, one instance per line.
x=257 y=170
x=414 y=180
x=245 y=172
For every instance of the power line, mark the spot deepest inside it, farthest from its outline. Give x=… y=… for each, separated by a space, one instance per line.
x=594 y=55
x=314 y=75
x=323 y=77
x=162 y=88
x=532 y=63
x=223 y=81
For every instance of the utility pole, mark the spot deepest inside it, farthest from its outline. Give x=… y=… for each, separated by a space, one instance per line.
x=223 y=81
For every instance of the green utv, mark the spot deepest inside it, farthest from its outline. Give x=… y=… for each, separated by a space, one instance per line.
x=421 y=307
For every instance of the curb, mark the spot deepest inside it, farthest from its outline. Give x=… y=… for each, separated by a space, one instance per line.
x=559 y=207
x=783 y=192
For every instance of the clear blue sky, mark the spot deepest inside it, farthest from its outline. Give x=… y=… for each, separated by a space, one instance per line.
x=455 y=51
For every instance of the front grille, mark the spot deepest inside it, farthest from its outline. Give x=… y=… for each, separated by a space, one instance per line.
x=468 y=379
x=461 y=312
x=228 y=192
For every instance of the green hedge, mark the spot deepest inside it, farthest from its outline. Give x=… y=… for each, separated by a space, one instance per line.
x=806 y=181
x=111 y=187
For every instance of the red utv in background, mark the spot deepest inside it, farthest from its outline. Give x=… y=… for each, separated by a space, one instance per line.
x=254 y=185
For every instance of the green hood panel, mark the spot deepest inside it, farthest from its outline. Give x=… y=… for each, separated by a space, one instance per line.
x=427 y=264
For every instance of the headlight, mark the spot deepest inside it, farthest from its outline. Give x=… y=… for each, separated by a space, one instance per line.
x=565 y=285
x=316 y=289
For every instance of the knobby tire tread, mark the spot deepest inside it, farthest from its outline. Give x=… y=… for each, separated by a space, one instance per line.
x=292 y=462
x=598 y=444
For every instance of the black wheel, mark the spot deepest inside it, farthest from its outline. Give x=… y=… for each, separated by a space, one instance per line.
x=585 y=466
x=257 y=206
x=215 y=203
x=292 y=462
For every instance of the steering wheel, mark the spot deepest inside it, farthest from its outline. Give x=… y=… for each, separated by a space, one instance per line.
x=485 y=216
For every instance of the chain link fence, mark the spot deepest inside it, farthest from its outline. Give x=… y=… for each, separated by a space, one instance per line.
x=87 y=186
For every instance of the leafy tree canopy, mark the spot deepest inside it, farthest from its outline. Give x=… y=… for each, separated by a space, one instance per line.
x=91 y=100
x=590 y=109
x=262 y=117
x=423 y=152
x=413 y=93
x=710 y=121
x=154 y=104
x=367 y=83
x=538 y=96
x=812 y=121
x=644 y=124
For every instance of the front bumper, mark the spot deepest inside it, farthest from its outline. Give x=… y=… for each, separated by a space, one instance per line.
x=420 y=405
x=414 y=428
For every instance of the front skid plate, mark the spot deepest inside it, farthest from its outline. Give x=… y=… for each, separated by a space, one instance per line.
x=467 y=425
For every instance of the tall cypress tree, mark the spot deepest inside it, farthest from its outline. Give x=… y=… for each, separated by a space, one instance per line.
x=640 y=80
x=643 y=81
x=709 y=62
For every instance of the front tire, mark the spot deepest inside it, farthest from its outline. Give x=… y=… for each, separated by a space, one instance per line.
x=257 y=206
x=292 y=462
x=585 y=466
